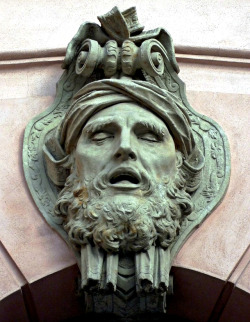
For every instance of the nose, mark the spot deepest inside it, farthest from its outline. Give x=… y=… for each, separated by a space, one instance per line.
x=125 y=150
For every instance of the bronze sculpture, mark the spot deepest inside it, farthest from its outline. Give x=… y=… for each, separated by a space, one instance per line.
x=121 y=166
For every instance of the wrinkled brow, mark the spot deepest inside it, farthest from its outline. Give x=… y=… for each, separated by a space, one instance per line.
x=98 y=125
x=155 y=128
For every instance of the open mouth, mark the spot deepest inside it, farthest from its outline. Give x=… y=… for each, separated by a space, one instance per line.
x=124 y=178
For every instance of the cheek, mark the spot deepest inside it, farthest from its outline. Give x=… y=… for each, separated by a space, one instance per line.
x=89 y=162
x=165 y=162
x=160 y=163
x=79 y=163
x=85 y=165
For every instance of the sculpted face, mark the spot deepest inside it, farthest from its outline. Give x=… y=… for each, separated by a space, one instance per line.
x=125 y=143
x=125 y=191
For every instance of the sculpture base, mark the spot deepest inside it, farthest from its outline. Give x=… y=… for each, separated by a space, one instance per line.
x=125 y=302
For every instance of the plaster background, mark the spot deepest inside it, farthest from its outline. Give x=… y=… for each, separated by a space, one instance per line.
x=211 y=271
x=38 y=25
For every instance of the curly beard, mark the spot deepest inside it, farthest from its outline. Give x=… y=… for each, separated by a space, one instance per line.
x=124 y=223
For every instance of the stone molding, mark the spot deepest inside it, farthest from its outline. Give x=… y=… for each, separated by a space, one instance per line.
x=201 y=55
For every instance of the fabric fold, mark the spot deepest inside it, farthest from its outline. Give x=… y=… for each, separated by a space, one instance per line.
x=91 y=266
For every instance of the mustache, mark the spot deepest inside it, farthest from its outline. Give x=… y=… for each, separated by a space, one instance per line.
x=102 y=181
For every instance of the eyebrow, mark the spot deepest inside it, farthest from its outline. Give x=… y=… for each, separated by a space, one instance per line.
x=152 y=127
x=96 y=125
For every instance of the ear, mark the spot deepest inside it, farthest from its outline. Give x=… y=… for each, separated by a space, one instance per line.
x=179 y=159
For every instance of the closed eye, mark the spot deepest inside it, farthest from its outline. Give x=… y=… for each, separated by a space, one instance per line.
x=150 y=137
x=101 y=136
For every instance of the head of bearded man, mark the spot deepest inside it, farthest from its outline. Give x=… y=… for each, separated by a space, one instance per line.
x=116 y=164
x=129 y=145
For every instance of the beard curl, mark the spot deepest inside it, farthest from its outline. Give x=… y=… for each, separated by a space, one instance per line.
x=123 y=226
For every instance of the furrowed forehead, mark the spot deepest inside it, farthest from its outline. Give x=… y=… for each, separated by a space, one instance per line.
x=130 y=113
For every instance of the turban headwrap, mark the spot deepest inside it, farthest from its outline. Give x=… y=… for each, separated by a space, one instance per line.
x=99 y=95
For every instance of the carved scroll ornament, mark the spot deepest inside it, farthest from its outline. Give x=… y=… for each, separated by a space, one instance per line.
x=122 y=166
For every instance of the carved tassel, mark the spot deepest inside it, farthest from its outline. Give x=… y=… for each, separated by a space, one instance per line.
x=144 y=262
x=164 y=264
x=91 y=266
x=111 y=271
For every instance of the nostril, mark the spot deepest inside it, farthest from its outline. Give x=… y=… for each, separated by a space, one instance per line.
x=132 y=156
x=124 y=155
x=118 y=155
